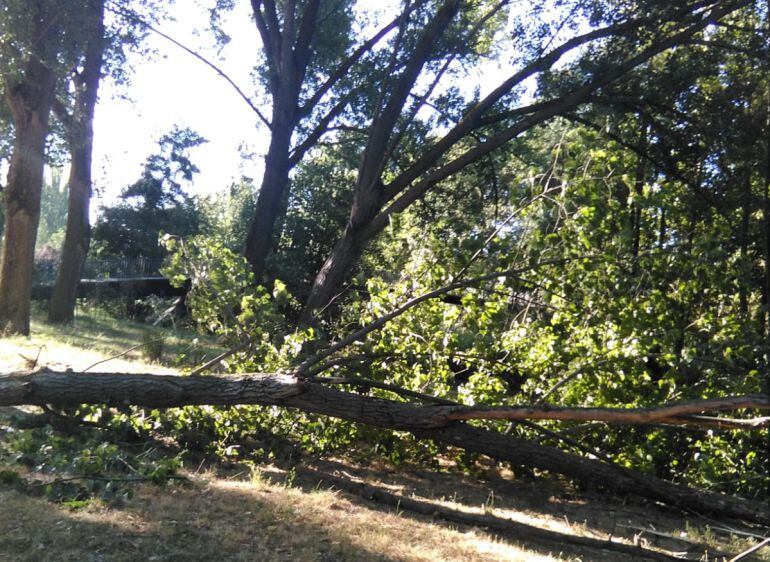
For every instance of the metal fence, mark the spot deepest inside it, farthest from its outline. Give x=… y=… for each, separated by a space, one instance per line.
x=119 y=268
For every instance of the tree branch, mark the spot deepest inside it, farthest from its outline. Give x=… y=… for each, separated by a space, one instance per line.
x=654 y=414
x=298 y=152
x=408 y=192
x=137 y=20
x=431 y=422
x=345 y=66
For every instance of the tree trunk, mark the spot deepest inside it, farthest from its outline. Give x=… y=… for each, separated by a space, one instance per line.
x=259 y=241
x=61 y=307
x=30 y=103
x=332 y=274
x=430 y=422
x=80 y=132
x=367 y=202
x=287 y=59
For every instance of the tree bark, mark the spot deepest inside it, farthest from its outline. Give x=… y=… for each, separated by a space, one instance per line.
x=80 y=135
x=287 y=60
x=61 y=307
x=336 y=268
x=368 y=196
x=259 y=241
x=430 y=422
x=30 y=103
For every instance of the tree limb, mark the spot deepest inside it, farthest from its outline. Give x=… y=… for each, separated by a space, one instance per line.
x=431 y=422
x=138 y=20
x=403 y=192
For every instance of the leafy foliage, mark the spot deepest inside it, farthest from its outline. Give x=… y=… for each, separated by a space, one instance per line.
x=615 y=256
x=53 y=213
x=225 y=216
x=77 y=470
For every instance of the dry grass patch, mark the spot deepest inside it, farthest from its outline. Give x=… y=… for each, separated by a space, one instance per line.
x=219 y=519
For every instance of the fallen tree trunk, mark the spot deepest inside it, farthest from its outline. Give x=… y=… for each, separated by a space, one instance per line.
x=431 y=422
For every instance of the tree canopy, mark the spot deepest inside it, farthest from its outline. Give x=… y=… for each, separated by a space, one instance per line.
x=584 y=242
x=154 y=204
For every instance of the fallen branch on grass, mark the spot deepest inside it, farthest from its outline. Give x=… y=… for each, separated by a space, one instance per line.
x=152 y=390
x=433 y=421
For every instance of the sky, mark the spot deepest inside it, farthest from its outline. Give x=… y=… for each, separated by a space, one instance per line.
x=172 y=88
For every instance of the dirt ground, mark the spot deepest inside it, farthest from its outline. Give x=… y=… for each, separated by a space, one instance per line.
x=281 y=513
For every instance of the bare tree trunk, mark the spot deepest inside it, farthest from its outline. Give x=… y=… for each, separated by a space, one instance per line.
x=30 y=102
x=259 y=241
x=288 y=54
x=61 y=307
x=80 y=133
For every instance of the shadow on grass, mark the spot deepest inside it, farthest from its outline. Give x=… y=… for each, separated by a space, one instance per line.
x=217 y=525
x=268 y=519
x=515 y=510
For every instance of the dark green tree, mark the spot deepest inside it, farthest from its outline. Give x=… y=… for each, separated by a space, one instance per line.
x=155 y=204
x=226 y=215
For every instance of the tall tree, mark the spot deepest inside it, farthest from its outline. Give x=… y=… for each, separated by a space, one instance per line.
x=6 y=144
x=29 y=80
x=155 y=202
x=308 y=59
x=621 y=39
x=78 y=126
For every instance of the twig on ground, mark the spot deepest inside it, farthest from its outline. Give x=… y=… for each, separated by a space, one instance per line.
x=121 y=354
x=32 y=363
x=752 y=550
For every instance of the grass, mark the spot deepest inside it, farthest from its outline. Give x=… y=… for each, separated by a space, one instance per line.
x=216 y=518
x=272 y=515
x=96 y=335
